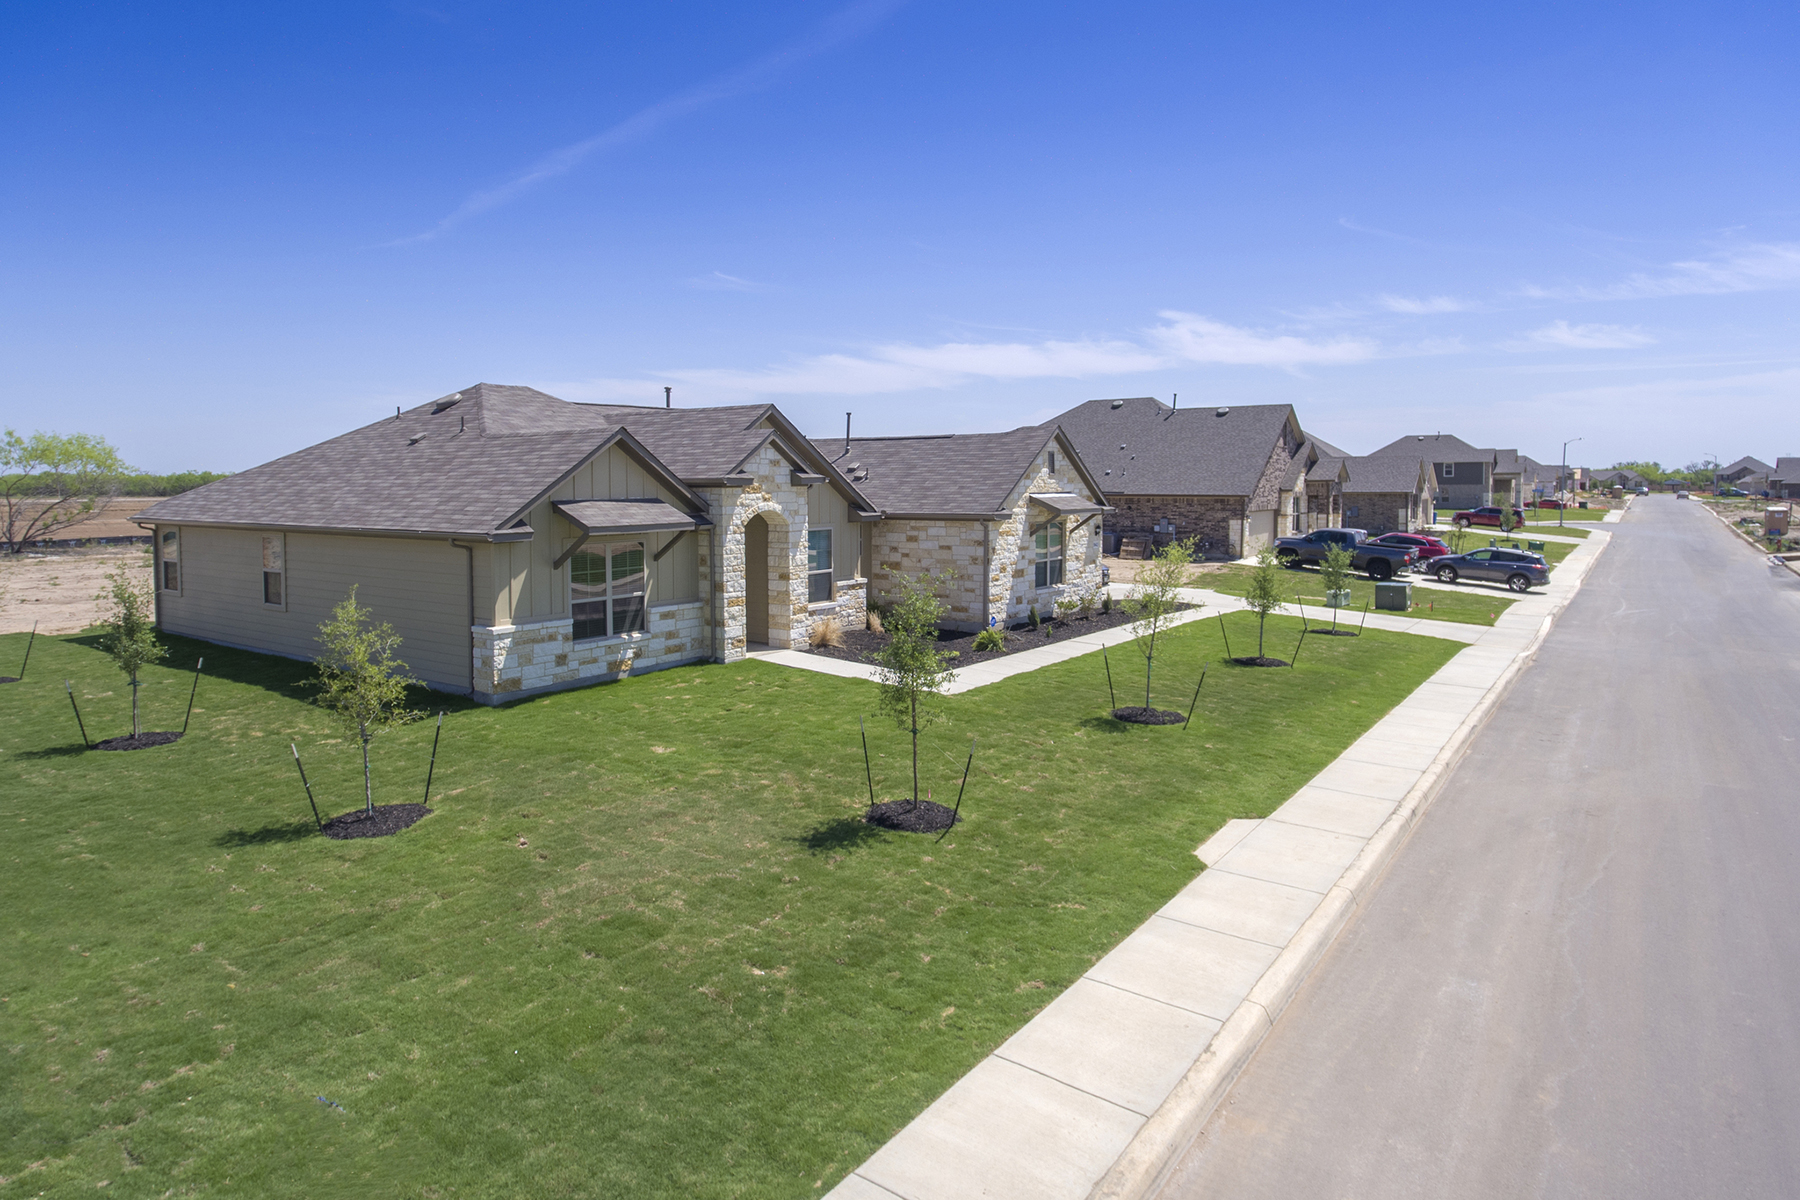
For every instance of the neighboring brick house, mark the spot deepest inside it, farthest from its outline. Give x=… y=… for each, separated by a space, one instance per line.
x=1744 y=468
x=1232 y=477
x=1383 y=494
x=1784 y=479
x=520 y=543
x=1014 y=519
x=1464 y=476
x=1618 y=477
x=1325 y=480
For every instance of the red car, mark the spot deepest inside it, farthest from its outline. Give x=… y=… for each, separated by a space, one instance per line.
x=1483 y=516
x=1423 y=546
x=1548 y=504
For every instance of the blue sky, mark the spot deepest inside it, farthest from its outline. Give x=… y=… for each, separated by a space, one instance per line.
x=230 y=231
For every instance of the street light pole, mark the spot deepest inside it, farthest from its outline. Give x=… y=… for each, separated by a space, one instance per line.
x=1560 y=502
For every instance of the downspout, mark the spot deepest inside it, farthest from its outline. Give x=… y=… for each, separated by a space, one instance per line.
x=470 y=551
x=987 y=578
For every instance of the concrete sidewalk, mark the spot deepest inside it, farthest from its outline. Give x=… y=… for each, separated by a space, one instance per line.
x=1102 y=1089
x=1212 y=604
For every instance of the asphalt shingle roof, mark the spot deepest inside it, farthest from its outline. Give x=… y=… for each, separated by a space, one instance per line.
x=1437 y=447
x=1141 y=446
x=965 y=473
x=1747 y=463
x=1384 y=473
x=462 y=465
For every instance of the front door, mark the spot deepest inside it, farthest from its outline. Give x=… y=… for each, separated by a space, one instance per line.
x=756 y=580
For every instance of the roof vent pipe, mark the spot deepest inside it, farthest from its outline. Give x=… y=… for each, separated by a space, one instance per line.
x=847 y=434
x=668 y=397
x=1174 y=401
x=396 y=412
x=1222 y=411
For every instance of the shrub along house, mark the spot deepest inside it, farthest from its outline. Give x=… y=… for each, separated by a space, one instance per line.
x=520 y=543
x=1014 y=518
x=1232 y=477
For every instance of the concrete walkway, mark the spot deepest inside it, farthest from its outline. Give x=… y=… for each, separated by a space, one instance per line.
x=1097 y=1094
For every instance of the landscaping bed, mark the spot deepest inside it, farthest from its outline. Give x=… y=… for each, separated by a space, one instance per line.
x=860 y=645
x=646 y=946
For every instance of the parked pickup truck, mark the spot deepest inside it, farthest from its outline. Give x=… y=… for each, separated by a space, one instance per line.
x=1381 y=562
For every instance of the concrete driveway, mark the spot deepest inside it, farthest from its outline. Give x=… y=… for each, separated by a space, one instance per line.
x=1582 y=976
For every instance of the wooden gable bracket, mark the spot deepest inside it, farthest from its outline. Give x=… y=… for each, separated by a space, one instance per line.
x=566 y=555
x=1071 y=532
x=679 y=534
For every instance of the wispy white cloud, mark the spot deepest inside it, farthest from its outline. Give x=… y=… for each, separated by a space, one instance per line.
x=1186 y=337
x=1180 y=339
x=1422 y=305
x=1564 y=336
x=843 y=26
x=1752 y=268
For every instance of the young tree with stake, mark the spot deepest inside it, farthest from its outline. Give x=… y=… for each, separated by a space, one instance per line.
x=1153 y=600
x=1334 y=572
x=360 y=678
x=911 y=670
x=1263 y=596
x=130 y=637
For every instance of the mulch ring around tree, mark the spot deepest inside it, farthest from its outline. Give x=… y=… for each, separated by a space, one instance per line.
x=1252 y=661
x=1319 y=631
x=1148 y=716
x=385 y=821
x=925 y=816
x=9 y=679
x=860 y=644
x=141 y=741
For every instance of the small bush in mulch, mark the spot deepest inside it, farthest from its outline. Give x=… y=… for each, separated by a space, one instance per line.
x=140 y=741
x=926 y=816
x=1148 y=716
x=1252 y=661
x=385 y=821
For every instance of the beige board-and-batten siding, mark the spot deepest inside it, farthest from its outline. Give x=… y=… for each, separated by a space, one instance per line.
x=524 y=585
x=420 y=586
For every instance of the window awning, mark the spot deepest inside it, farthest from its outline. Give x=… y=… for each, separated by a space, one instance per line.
x=1068 y=504
x=603 y=518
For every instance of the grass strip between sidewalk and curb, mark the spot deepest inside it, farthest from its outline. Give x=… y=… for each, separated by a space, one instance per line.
x=1147 y=1162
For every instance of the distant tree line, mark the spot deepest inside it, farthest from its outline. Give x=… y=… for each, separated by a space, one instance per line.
x=1700 y=472
x=50 y=481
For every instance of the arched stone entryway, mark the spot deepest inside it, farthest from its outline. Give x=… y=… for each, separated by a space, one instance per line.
x=769 y=603
x=756 y=580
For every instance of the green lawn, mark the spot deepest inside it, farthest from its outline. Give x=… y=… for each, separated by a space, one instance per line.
x=1478 y=605
x=644 y=947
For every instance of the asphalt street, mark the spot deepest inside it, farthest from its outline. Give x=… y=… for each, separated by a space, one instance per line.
x=1581 y=977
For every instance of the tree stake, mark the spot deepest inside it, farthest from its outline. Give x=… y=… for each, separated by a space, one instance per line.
x=1196 y=700
x=70 y=688
x=308 y=787
x=434 y=746
x=191 y=693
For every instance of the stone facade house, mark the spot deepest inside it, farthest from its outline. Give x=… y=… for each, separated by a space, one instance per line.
x=1011 y=520
x=1233 y=477
x=520 y=543
x=1379 y=494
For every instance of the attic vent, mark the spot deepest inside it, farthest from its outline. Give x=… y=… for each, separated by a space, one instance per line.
x=415 y=440
x=1118 y=404
x=1221 y=412
x=443 y=402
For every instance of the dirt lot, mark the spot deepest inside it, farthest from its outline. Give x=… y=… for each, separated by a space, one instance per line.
x=59 y=589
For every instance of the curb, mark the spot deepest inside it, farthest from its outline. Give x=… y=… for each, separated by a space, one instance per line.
x=1144 y=1166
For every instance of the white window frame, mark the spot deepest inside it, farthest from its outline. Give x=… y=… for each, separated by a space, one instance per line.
x=816 y=574
x=1449 y=470
x=166 y=537
x=274 y=563
x=607 y=596
x=1047 y=561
